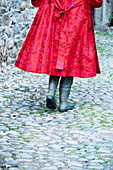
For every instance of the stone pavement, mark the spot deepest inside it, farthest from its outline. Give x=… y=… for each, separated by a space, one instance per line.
x=33 y=137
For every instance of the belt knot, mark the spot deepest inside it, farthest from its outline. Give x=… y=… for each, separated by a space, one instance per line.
x=61 y=14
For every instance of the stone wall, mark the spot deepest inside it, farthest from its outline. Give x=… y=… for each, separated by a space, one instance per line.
x=16 y=17
x=103 y=15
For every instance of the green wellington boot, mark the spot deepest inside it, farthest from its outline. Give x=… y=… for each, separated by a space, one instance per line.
x=64 y=91
x=50 y=100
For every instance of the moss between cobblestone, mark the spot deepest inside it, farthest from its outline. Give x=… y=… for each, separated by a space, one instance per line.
x=14 y=128
x=104 y=33
x=2 y=158
x=28 y=139
x=2 y=111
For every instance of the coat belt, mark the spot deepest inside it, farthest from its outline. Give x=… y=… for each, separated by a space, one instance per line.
x=63 y=13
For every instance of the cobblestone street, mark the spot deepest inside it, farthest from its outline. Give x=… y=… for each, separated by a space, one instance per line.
x=33 y=137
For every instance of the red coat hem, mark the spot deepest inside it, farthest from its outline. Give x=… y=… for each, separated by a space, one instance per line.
x=68 y=75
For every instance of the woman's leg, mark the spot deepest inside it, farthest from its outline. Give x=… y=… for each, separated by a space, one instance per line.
x=53 y=83
x=64 y=91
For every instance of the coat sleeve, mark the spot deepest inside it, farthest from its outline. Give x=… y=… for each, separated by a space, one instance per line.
x=95 y=3
x=36 y=3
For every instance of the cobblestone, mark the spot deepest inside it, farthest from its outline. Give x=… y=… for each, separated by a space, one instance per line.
x=33 y=137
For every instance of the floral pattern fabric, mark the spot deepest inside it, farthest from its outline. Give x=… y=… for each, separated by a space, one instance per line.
x=61 y=40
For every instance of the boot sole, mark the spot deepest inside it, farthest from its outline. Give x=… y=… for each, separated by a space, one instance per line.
x=65 y=110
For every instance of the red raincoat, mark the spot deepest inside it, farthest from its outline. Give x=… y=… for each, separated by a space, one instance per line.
x=61 y=39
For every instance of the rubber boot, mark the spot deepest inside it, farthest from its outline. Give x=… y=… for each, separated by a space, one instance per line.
x=50 y=100
x=64 y=91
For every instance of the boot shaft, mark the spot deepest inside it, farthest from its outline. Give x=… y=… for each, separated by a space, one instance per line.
x=64 y=91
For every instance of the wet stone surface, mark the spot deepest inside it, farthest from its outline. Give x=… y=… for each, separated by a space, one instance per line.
x=33 y=137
